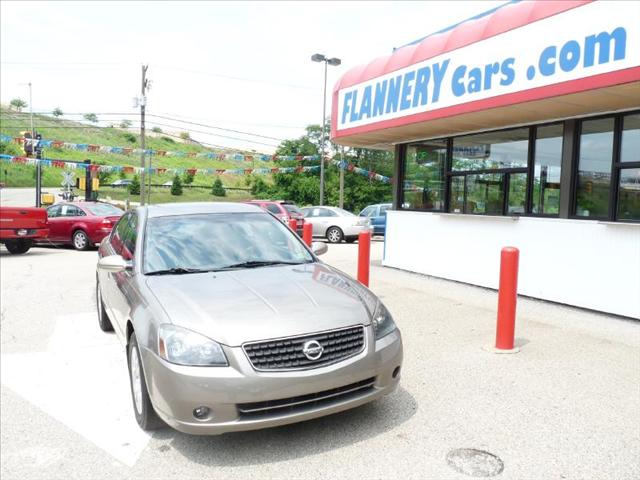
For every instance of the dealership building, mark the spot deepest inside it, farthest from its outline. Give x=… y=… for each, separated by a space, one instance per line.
x=519 y=127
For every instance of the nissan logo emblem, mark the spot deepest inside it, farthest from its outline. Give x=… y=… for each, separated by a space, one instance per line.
x=312 y=350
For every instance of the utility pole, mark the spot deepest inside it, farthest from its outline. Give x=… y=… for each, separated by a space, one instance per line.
x=33 y=151
x=143 y=104
x=342 y=177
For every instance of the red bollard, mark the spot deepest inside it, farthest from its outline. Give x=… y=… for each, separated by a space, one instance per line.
x=507 y=297
x=364 y=255
x=307 y=233
x=293 y=224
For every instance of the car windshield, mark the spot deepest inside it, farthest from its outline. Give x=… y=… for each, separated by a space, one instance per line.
x=210 y=242
x=104 y=210
x=292 y=209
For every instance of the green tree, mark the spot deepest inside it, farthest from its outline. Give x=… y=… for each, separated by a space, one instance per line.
x=217 y=189
x=103 y=176
x=57 y=112
x=176 y=186
x=187 y=177
x=134 y=186
x=18 y=104
x=156 y=130
x=91 y=117
x=185 y=136
x=122 y=175
x=125 y=123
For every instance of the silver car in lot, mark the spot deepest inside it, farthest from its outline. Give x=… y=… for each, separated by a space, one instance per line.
x=231 y=323
x=336 y=224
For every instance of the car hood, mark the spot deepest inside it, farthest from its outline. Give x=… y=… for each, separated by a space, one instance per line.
x=239 y=306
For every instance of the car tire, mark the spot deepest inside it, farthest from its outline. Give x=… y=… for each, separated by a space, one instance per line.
x=80 y=240
x=351 y=239
x=103 y=318
x=18 y=247
x=334 y=235
x=146 y=416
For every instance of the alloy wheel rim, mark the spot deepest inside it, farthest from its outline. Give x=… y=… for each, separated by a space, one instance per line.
x=333 y=235
x=136 y=380
x=79 y=240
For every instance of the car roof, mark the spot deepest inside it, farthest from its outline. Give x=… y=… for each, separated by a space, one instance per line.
x=170 y=209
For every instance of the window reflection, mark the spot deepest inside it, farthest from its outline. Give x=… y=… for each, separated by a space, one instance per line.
x=423 y=187
x=485 y=194
x=507 y=149
x=594 y=168
x=629 y=194
x=546 y=177
x=630 y=151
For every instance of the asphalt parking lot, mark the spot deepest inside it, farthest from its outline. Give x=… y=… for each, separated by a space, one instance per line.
x=566 y=406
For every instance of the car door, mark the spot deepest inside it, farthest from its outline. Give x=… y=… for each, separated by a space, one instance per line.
x=110 y=283
x=325 y=220
x=69 y=216
x=122 y=281
x=380 y=225
x=55 y=221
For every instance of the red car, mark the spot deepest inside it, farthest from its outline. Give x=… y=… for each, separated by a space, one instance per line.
x=21 y=226
x=283 y=210
x=81 y=224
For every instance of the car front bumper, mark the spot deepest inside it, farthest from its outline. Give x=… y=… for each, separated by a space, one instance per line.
x=177 y=390
x=355 y=230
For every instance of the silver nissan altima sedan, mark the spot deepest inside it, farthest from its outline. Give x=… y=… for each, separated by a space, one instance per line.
x=231 y=323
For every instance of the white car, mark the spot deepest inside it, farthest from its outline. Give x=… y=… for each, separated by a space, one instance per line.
x=121 y=183
x=336 y=224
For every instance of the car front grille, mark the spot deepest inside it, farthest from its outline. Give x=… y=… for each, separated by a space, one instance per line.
x=283 y=406
x=287 y=353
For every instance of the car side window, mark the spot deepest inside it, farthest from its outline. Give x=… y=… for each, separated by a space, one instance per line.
x=74 y=211
x=118 y=233
x=324 y=212
x=131 y=236
x=54 y=211
x=273 y=208
x=383 y=209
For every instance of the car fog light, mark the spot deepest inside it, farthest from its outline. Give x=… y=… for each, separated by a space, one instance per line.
x=201 y=413
x=22 y=232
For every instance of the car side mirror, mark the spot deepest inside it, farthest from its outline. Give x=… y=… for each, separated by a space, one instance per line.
x=319 y=248
x=114 y=264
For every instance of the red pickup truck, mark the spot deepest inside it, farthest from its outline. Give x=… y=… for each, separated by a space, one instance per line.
x=21 y=226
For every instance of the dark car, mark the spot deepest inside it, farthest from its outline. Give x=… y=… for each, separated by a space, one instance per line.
x=378 y=215
x=81 y=224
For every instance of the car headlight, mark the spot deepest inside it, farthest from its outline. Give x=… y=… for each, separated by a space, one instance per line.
x=382 y=322
x=184 y=347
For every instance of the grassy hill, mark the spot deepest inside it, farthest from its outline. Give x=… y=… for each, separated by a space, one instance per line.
x=51 y=128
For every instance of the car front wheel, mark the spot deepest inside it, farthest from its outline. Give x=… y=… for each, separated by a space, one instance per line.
x=334 y=235
x=80 y=240
x=146 y=416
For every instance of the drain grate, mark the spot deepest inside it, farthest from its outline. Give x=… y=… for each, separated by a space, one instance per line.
x=475 y=463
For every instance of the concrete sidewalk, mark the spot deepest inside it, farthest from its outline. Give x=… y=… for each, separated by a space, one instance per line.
x=566 y=406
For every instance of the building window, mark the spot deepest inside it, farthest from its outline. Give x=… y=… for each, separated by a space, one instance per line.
x=423 y=187
x=546 y=172
x=629 y=183
x=594 y=168
x=517 y=200
x=485 y=193
x=456 y=196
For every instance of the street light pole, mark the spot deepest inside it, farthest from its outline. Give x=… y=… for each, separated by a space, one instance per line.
x=318 y=57
x=143 y=104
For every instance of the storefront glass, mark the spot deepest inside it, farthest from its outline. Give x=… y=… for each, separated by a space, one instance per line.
x=491 y=151
x=485 y=194
x=423 y=187
x=629 y=194
x=594 y=168
x=546 y=174
x=630 y=151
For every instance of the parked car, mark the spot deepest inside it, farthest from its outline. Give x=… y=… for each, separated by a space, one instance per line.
x=378 y=216
x=283 y=210
x=81 y=224
x=231 y=322
x=335 y=224
x=21 y=226
x=168 y=184
x=123 y=182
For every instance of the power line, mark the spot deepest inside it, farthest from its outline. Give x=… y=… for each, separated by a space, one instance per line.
x=215 y=127
x=153 y=122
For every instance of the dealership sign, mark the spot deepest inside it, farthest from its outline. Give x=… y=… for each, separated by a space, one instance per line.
x=588 y=40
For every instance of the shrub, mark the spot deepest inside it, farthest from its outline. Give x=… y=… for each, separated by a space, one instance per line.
x=156 y=130
x=218 y=189
x=130 y=137
x=185 y=135
x=187 y=178
x=57 y=112
x=168 y=139
x=91 y=117
x=134 y=186
x=176 y=187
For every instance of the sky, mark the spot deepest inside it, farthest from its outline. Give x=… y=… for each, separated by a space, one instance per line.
x=243 y=66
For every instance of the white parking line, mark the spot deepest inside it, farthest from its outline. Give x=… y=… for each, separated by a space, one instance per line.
x=81 y=380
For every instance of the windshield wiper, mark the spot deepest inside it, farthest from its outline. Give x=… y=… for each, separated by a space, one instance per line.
x=178 y=271
x=259 y=263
